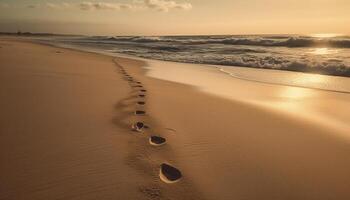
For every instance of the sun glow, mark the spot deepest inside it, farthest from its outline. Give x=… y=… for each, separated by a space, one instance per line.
x=325 y=35
x=307 y=80
x=323 y=51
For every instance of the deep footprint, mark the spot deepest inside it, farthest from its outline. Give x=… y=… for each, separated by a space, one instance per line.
x=142 y=95
x=169 y=174
x=140 y=112
x=143 y=90
x=141 y=103
x=157 y=140
x=138 y=126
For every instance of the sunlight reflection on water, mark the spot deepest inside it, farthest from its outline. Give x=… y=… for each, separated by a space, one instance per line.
x=295 y=93
x=323 y=51
x=309 y=80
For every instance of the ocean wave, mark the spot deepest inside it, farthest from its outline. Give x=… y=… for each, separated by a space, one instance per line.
x=269 y=41
x=244 y=51
x=139 y=39
x=334 y=67
x=330 y=67
x=290 y=42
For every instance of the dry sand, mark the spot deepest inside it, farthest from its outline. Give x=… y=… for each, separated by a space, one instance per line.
x=65 y=134
x=65 y=125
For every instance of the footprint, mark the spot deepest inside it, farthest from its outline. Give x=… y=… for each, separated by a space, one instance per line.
x=169 y=174
x=157 y=140
x=143 y=90
x=142 y=95
x=140 y=112
x=138 y=126
x=141 y=103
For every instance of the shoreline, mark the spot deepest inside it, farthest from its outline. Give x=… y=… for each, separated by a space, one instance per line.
x=258 y=154
x=318 y=114
x=199 y=132
x=219 y=67
x=294 y=93
x=300 y=104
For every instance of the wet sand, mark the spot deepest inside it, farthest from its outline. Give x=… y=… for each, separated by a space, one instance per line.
x=231 y=148
x=66 y=133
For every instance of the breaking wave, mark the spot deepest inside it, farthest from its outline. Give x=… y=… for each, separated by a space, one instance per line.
x=281 y=41
x=329 y=56
x=330 y=67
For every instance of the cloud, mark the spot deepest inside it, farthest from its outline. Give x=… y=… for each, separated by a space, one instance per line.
x=158 y=5
x=58 y=5
x=164 y=5
x=62 y=5
x=103 y=6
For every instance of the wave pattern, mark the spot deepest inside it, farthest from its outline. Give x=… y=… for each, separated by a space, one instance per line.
x=294 y=53
x=278 y=41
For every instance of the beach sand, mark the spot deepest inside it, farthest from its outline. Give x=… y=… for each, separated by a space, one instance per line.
x=65 y=134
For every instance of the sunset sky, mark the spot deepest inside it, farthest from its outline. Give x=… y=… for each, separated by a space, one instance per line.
x=174 y=17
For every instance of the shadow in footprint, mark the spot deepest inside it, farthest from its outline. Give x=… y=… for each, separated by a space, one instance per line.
x=141 y=103
x=157 y=140
x=138 y=126
x=140 y=112
x=169 y=174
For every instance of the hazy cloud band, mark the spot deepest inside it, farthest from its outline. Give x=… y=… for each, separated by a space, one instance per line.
x=158 y=5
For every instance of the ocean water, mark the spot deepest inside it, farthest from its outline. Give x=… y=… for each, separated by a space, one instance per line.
x=308 y=54
x=294 y=53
